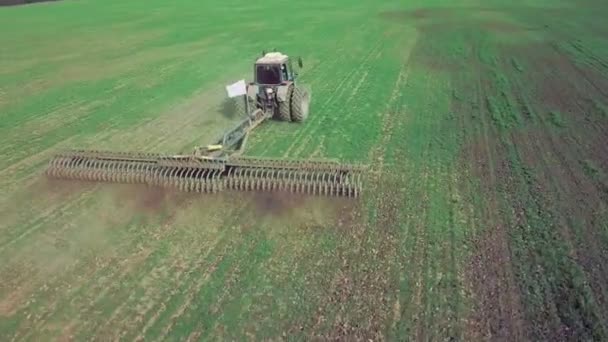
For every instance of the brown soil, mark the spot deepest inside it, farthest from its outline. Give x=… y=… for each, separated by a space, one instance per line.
x=439 y=24
x=560 y=102
x=139 y=198
x=577 y=195
x=275 y=203
x=147 y=200
x=21 y=2
x=501 y=27
x=10 y=304
x=418 y=14
x=498 y=313
x=450 y=19
x=498 y=309
x=59 y=187
x=150 y=200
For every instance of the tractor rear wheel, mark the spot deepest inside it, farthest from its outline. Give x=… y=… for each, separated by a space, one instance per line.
x=284 y=107
x=300 y=103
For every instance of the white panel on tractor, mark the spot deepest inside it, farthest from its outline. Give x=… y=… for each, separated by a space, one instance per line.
x=237 y=89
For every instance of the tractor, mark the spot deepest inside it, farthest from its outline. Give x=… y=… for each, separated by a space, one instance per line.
x=275 y=89
x=220 y=166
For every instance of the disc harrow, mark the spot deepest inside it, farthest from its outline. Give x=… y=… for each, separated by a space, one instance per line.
x=210 y=175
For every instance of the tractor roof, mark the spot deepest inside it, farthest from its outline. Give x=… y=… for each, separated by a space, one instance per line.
x=272 y=58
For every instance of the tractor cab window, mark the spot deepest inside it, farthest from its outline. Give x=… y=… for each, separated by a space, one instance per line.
x=268 y=74
x=284 y=72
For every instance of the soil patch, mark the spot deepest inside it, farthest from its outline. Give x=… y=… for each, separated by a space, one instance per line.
x=22 y=2
x=156 y=200
x=501 y=26
x=286 y=205
x=276 y=203
x=138 y=197
x=538 y=203
x=572 y=102
x=60 y=188
x=449 y=19
x=498 y=311
x=449 y=37
x=150 y=200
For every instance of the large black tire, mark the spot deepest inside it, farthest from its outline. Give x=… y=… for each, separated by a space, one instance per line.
x=283 y=114
x=300 y=103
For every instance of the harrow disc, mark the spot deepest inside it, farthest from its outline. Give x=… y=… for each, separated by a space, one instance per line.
x=210 y=176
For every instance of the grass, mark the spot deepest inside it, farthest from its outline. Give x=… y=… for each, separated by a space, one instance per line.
x=484 y=125
x=557 y=119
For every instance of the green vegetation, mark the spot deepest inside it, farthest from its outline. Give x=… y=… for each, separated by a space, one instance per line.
x=485 y=213
x=557 y=119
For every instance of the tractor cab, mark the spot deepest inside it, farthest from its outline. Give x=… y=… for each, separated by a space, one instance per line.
x=273 y=68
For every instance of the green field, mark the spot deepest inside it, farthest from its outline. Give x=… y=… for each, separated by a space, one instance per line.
x=485 y=215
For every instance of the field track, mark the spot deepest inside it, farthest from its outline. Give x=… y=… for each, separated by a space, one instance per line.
x=486 y=214
x=20 y=2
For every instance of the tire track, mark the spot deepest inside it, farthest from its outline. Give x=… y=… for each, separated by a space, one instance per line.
x=497 y=308
x=192 y=291
x=336 y=119
x=34 y=224
x=212 y=256
x=109 y=270
x=311 y=129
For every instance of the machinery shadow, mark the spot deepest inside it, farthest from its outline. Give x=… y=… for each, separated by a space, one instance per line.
x=232 y=108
